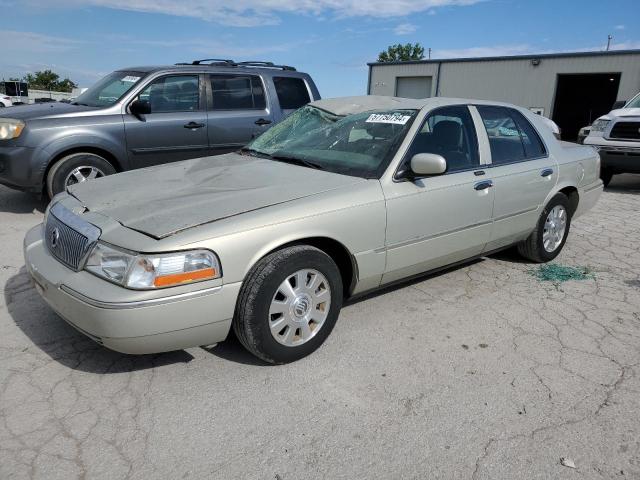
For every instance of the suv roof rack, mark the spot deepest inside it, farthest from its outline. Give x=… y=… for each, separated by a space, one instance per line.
x=266 y=65
x=231 y=63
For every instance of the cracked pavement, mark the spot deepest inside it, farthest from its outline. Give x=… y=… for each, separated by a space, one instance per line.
x=478 y=372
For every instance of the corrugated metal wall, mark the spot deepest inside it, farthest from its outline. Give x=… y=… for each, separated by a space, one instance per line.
x=515 y=81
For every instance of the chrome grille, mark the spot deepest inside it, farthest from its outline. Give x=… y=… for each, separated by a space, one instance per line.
x=68 y=237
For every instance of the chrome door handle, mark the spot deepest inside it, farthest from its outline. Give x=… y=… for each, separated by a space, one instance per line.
x=547 y=172
x=483 y=185
x=194 y=125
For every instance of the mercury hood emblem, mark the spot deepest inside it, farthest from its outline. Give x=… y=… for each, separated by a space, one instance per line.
x=54 y=237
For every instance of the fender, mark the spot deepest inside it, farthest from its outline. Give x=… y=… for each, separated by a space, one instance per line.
x=115 y=147
x=310 y=237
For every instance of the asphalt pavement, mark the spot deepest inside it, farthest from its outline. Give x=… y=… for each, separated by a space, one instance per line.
x=479 y=372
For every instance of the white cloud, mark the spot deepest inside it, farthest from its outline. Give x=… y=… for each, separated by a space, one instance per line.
x=523 y=49
x=620 y=27
x=16 y=41
x=246 y=13
x=405 y=29
x=487 y=51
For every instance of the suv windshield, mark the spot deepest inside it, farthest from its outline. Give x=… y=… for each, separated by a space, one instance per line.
x=634 y=103
x=360 y=144
x=109 y=89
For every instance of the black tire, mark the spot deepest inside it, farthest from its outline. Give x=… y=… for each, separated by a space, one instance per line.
x=532 y=248
x=606 y=175
x=57 y=176
x=251 y=319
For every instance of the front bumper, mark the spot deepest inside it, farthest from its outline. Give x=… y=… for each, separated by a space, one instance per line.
x=20 y=169
x=618 y=158
x=198 y=317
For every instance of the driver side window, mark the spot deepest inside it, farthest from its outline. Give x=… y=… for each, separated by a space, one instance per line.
x=450 y=132
x=175 y=93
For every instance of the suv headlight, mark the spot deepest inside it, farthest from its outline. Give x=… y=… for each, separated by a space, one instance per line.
x=10 y=128
x=146 y=272
x=599 y=125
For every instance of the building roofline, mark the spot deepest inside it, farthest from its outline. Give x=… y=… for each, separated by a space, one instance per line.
x=510 y=57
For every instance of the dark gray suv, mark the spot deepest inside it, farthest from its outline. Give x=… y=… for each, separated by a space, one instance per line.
x=142 y=116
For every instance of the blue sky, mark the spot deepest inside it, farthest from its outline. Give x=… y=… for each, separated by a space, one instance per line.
x=330 y=39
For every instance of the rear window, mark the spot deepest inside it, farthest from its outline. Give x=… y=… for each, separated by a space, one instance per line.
x=292 y=92
x=237 y=92
x=511 y=136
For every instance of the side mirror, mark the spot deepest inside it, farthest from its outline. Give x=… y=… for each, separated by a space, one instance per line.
x=619 y=104
x=140 y=107
x=428 y=164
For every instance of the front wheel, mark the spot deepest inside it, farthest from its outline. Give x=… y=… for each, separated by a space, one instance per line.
x=547 y=240
x=288 y=304
x=76 y=168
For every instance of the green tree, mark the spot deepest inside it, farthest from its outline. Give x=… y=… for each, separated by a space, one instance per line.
x=66 y=85
x=42 y=80
x=48 y=80
x=402 y=53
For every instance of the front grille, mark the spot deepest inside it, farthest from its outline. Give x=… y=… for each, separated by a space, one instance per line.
x=626 y=130
x=68 y=237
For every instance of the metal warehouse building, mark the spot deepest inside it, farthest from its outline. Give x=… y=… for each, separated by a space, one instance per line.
x=571 y=88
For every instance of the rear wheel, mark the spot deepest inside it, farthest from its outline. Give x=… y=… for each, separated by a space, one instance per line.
x=547 y=240
x=606 y=175
x=76 y=168
x=288 y=304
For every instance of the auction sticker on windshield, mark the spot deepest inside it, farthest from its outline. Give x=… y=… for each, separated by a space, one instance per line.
x=395 y=118
x=131 y=79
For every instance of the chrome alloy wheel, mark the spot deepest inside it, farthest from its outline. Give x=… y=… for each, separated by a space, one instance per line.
x=299 y=307
x=82 y=174
x=554 y=228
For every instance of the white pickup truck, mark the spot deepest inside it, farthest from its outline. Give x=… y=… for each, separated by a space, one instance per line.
x=616 y=135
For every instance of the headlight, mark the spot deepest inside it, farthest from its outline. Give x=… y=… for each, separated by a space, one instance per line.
x=599 y=125
x=145 y=272
x=10 y=128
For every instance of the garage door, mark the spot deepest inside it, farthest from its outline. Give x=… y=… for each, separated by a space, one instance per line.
x=413 y=87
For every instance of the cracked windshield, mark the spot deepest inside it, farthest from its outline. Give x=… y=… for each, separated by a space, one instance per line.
x=359 y=145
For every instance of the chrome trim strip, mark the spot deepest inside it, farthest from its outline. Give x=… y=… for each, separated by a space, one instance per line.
x=528 y=210
x=141 y=303
x=429 y=237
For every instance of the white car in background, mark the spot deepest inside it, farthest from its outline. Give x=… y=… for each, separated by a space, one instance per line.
x=616 y=136
x=5 y=101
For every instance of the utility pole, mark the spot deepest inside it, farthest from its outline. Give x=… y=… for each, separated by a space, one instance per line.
x=429 y=53
x=609 y=38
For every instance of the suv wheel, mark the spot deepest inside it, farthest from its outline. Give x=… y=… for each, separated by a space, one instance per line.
x=288 y=304
x=550 y=235
x=76 y=168
x=606 y=175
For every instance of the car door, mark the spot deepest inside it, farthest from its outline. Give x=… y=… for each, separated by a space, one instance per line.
x=442 y=219
x=522 y=170
x=176 y=127
x=237 y=111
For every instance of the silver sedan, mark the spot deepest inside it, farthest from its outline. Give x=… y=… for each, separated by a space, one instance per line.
x=343 y=197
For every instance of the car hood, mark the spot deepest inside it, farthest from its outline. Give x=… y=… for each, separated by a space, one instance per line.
x=42 y=110
x=621 y=112
x=163 y=200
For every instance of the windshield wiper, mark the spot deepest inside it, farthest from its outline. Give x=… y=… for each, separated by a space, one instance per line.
x=79 y=103
x=296 y=161
x=282 y=158
x=255 y=153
